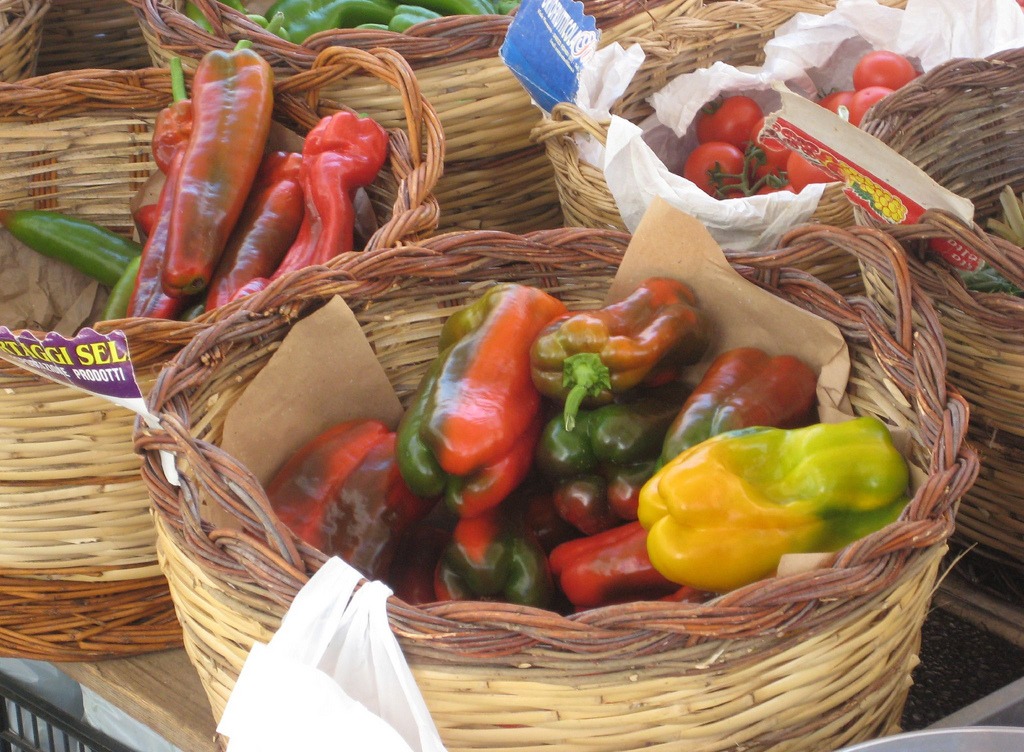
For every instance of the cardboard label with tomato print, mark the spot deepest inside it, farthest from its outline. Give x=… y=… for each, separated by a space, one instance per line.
x=876 y=178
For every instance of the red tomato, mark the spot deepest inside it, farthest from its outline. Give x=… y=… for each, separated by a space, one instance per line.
x=729 y=120
x=863 y=100
x=714 y=157
x=837 y=99
x=775 y=154
x=883 y=68
x=802 y=173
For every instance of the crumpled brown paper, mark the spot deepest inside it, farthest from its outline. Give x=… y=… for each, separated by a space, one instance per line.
x=43 y=294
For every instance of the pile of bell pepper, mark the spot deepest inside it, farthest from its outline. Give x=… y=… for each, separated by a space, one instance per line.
x=232 y=214
x=297 y=20
x=561 y=459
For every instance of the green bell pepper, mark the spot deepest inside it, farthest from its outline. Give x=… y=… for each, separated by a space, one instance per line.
x=407 y=16
x=600 y=465
x=303 y=18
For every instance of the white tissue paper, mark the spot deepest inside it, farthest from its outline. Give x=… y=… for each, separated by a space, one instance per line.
x=333 y=677
x=810 y=54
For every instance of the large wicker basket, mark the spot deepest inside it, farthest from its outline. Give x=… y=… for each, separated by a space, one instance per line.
x=91 y=34
x=494 y=177
x=21 y=27
x=79 y=577
x=731 y=31
x=960 y=123
x=810 y=661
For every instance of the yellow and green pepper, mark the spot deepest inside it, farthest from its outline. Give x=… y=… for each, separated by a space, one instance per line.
x=721 y=514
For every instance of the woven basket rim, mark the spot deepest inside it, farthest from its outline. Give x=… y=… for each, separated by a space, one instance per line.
x=445 y=40
x=500 y=628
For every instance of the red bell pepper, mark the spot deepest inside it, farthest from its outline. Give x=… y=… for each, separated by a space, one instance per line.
x=477 y=404
x=341 y=154
x=341 y=493
x=742 y=388
x=609 y=567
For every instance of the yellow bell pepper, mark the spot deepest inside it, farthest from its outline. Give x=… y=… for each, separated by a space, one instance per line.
x=721 y=514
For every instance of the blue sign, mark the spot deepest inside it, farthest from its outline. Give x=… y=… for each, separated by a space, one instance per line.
x=546 y=46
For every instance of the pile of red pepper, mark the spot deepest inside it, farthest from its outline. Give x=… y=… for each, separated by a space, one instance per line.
x=527 y=444
x=233 y=215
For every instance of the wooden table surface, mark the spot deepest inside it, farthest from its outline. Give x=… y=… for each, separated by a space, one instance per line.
x=160 y=690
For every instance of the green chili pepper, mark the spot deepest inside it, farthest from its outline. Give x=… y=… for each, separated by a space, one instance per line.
x=407 y=16
x=93 y=250
x=121 y=292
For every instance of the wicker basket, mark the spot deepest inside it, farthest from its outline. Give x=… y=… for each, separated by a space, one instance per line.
x=816 y=660
x=494 y=177
x=92 y=34
x=732 y=31
x=79 y=577
x=21 y=26
x=959 y=122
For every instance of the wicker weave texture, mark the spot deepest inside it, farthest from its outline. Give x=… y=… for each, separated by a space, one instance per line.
x=495 y=177
x=21 y=27
x=91 y=34
x=73 y=506
x=820 y=658
x=959 y=123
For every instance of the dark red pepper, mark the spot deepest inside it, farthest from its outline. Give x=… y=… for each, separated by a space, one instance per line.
x=342 y=493
x=265 y=230
x=411 y=576
x=608 y=567
x=148 y=298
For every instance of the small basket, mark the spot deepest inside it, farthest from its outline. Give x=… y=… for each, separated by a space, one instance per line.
x=21 y=27
x=79 y=577
x=494 y=177
x=816 y=660
x=91 y=34
x=731 y=31
x=960 y=123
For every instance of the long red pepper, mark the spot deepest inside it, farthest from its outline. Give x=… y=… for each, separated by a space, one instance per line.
x=174 y=122
x=148 y=298
x=265 y=230
x=342 y=153
x=232 y=103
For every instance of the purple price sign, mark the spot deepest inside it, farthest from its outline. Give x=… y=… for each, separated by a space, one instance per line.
x=94 y=362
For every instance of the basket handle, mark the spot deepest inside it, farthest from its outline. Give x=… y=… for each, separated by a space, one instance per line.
x=416 y=207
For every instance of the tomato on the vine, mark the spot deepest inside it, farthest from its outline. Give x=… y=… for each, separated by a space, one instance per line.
x=714 y=166
x=864 y=99
x=837 y=99
x=802 y=173
x=883 y=68
x=728 y=120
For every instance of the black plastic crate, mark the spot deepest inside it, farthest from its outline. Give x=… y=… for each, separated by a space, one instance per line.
x=30 y=724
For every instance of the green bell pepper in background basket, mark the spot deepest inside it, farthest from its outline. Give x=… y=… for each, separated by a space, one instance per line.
x=407 y=16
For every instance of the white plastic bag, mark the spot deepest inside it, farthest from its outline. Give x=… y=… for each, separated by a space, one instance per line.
x=810 y=53
x=333 y=677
